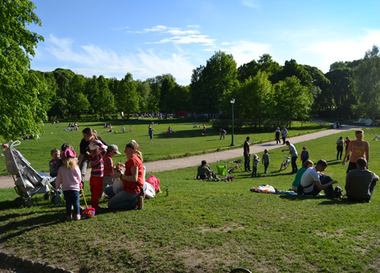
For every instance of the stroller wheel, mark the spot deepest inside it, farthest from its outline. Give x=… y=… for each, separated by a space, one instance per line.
x=28 y=202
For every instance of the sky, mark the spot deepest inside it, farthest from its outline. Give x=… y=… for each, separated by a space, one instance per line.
x=148 y=38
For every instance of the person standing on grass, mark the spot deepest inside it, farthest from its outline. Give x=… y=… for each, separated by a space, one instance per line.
x=55 y=162
x=89 y=136
x=294 y=155
x=284 y=135
x=346 y=143
x=356 y=148
x=246 y=154
x=69 y=177
x=97 y=173
x=150 y=132
x=360 y=182
x=255 y=165
x=132 y=176
x=339 y=148
x=277 y=135
x=304 y=155
x=265 y=161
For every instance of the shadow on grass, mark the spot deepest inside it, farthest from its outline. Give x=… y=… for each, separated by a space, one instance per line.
x=17 y=228
x=302 y=197
x=339 y=202
x=188 y=133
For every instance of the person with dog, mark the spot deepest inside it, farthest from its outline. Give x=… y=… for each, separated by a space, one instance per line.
x=356 y=149
x=313 y=181
x=294 y=155
x=360 y=182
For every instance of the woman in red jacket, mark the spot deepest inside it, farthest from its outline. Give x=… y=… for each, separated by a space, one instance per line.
x=132 y=176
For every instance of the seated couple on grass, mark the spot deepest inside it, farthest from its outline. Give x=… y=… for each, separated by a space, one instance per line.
x=311 y=180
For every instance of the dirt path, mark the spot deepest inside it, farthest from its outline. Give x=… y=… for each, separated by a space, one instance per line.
x=178 y=163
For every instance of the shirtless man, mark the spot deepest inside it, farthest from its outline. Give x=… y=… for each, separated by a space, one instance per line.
x=356 y=149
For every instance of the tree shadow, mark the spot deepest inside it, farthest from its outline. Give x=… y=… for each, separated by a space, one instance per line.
x=301 y=197
x=17 y=228
x=187 y=133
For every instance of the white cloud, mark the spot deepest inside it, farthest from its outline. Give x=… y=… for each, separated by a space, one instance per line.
x=245 y=51
x=251 y=3
x=182 y=36
x=92 y=60
x=324 y=53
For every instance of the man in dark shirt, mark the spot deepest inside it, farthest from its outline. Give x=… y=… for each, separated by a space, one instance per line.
x=246 y=155
x=360 y=182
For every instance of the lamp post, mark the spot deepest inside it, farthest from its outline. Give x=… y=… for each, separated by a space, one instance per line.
x=232 y=101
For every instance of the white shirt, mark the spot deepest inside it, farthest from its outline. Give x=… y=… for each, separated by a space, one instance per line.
x=308 y=179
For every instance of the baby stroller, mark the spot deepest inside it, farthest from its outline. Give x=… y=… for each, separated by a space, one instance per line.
x=27 y=180
x=285 y=163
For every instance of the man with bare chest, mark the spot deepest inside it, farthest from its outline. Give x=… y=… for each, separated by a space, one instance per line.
x=356 y=149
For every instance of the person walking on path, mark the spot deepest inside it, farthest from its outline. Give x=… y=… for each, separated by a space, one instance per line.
x=339 y=148
x=246 y=154
x=277 y=135
x=356 y=149
x=294 y=155
x=284 y=134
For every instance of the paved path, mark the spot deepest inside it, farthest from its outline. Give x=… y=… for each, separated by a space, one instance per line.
x=178 y=163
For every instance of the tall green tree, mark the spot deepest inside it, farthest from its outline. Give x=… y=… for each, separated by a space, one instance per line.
x=366 y=78
x=21 y=112
x=212 y=85
x=292 y=101
x=253 y=98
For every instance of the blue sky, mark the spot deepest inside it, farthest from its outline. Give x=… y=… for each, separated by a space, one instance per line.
x=153 y=37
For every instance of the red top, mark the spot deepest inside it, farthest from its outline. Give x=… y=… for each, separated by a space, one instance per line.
x=130 y=186
x=108 y=165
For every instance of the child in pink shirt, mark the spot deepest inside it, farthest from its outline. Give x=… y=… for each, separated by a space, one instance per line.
x=69 y=177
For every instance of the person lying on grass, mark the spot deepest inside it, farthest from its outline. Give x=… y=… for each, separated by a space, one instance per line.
x=313 y=181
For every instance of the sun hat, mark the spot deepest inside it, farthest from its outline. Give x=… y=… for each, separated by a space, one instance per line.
x=114 y=148
x=70 y=153
x=93 y=146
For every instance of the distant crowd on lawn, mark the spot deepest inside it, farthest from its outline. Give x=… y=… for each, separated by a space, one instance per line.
x=310 y=179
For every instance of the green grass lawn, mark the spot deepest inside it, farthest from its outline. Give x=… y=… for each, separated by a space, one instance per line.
x=185 y=141
x=209 y=227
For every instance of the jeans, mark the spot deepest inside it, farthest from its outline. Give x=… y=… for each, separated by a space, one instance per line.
x=83 y=168
x=294 y=164
x=123 y=200
x=72 y=199
x=247 y=163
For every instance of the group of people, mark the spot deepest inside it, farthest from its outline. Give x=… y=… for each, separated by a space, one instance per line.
x=283 y=133
x=360 y=182
x=70 y=170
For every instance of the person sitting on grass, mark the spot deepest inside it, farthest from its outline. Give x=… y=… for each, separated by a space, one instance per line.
x=297 y=179
x=204 y=172
x=360 y=182
x=313 y=181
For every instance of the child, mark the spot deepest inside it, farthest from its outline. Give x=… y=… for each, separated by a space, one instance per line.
x=54 y=163
x=109 y=174
x=97 y=173
x=255 y=164
x=265 y=160
x=69 y=176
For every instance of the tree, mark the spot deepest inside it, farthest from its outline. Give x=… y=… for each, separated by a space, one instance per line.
x=212 y=85
x=20 y=109
x=253 y=98
x=292 y=101
x=366 y=78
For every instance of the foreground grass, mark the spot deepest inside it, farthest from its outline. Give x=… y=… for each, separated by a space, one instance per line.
x=185 y=141
x=209 y=227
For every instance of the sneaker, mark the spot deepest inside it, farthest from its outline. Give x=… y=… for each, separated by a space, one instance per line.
x=77 y=217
